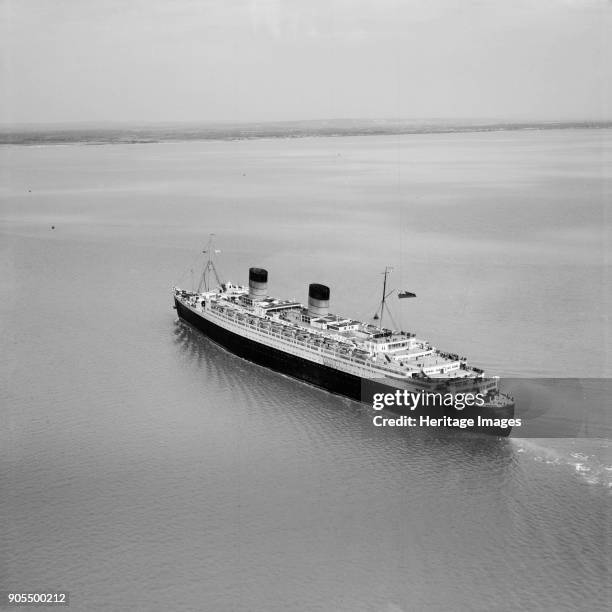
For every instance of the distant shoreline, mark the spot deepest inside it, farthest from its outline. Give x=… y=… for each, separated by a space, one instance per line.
x=302 y=129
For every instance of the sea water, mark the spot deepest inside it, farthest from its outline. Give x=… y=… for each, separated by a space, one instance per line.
x=143 y=467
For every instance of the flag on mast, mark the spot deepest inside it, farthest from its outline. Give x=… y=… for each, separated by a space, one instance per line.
x=405 y=294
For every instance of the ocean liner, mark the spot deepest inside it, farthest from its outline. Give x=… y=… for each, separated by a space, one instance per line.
x=360 y=360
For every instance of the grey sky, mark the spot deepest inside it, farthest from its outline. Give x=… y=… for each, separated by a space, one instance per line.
x=243 y=60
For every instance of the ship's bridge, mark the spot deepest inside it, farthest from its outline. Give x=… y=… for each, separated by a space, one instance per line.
x=387 y=341
x=414 y=355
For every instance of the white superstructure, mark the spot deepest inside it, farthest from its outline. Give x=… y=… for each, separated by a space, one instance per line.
x=343 y=343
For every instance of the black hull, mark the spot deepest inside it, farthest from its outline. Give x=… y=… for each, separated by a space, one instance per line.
x=322 y=376
x=330 y=379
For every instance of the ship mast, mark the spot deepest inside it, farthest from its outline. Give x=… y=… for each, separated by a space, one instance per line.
x=383 y=302
x=385 y=295
x=209 y=267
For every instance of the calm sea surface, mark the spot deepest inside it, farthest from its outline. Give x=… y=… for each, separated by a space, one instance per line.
x=143 y=467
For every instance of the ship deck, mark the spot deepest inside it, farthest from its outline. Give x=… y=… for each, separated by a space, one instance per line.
x=419 y=359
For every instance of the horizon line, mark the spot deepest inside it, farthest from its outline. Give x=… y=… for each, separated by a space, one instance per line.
x=490 y=121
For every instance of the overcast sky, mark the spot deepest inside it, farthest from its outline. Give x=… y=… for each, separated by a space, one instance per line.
x=244 y=60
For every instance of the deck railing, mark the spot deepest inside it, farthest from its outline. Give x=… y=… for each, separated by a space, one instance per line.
x=303 y=344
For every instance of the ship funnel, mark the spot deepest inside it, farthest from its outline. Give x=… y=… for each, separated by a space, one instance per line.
x=258 y=283
x=318 y=300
